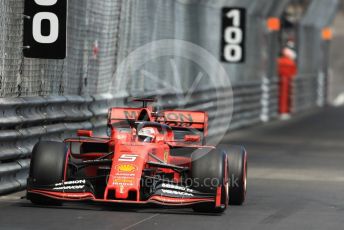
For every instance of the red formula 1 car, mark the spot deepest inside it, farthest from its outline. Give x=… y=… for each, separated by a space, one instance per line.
x=148 y=157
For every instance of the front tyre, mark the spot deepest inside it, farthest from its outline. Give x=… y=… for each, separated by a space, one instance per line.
x=212 y=167
x=47 y=168
x=237 y=167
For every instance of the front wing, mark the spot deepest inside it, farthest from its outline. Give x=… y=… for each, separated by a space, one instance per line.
x=164 y=194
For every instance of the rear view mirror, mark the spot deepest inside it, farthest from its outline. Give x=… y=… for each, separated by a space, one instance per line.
x=158 y=114
x=75 y=147
x=192 y=138
x=84 y=133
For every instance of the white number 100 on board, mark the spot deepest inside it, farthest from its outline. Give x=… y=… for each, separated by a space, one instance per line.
x=233 y=35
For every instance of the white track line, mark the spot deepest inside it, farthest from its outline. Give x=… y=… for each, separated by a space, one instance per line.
x=141 y=221
x=10 y=198
x=13 y=196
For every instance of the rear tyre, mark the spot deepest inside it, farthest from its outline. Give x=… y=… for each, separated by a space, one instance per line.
x=210 y=172
x=237 y=167
x=47 y=167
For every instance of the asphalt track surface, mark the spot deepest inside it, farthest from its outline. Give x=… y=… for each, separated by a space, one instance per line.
x=296 y=181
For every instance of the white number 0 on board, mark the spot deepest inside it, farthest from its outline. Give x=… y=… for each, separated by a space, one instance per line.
x=37 y=24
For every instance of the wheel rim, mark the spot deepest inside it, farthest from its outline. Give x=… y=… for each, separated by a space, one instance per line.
x=245 y=175
x=227 y=192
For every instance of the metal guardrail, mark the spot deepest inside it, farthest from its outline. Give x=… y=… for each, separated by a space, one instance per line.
x=270 y=99
x=304 y=95
x=25 y=121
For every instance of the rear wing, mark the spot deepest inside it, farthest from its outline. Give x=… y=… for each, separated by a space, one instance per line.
x=184 y=120
x=177 y=119
x=123 y=115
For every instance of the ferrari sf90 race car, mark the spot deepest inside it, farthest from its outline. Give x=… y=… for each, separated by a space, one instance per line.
x=148 y=157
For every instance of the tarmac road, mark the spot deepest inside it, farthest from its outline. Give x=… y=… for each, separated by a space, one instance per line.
x=296 y=181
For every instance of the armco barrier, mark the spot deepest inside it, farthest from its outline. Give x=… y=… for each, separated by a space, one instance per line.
x=13 y=175
x=25 y=121
x=270 y=95
x=304 y=95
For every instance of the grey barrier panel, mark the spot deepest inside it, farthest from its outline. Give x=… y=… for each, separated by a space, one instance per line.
x=13 y=176
x=8 y=148
x=304 y=93
x=29 y=120
x=309 y=88
x=8 y=108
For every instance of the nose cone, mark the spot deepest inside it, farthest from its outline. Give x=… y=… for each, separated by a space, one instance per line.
x=126 y=171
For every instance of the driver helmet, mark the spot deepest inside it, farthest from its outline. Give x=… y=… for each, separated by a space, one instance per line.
x=146 y=135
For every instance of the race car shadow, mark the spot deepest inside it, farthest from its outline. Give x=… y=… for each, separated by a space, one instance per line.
x=131 y=208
